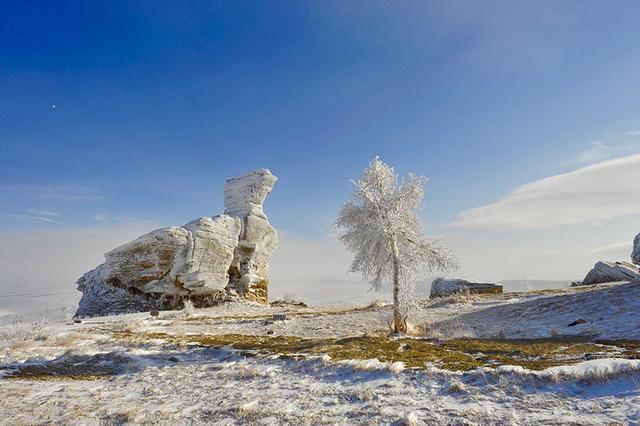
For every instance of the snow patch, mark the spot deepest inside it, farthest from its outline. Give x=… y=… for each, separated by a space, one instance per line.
x=374 y=364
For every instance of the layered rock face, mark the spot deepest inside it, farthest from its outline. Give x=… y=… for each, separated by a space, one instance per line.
x=205 y=260
x=606 y=272
x=193 y=259
x=243 y=197
x=609 y=272
x=441 y=287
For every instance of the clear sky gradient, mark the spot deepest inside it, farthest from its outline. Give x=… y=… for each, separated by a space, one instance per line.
x=129 y=115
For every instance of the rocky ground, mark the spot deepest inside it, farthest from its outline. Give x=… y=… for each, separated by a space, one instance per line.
x=566 y=356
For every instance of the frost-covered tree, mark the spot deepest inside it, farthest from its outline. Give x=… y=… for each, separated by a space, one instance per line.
x=380 y=224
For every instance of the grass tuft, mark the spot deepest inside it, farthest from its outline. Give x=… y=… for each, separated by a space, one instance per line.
x=455 y=354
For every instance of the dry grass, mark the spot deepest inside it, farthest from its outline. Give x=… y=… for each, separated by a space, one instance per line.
x=22 y=334
x=78 y=367
x=300 y=311
x=117 y=419
x=65 y=340
x=455 y=354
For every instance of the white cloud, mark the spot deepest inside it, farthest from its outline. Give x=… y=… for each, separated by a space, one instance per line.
x=614 y=251
x=36 y=215
x=44 y=213
x=611 y=146
x=563 y=253
x=100 y=217
x=44 y=219
x=598 y=151
x=594 y=194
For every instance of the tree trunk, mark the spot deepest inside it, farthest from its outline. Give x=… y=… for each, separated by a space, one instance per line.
x=399 y=324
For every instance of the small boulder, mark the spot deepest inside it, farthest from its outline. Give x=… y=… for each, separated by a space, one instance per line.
x=154 y=314
x=279 y=317
x=442 y=287
x=608 y=272
x=287 y=302
x=577 y=322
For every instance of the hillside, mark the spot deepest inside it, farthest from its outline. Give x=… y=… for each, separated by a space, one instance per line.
x=510 y=358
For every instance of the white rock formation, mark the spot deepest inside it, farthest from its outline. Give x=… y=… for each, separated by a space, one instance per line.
x=607 y=272
x=635 y=254
x=441 y=287
x=203 y=260
x=243 y=197
x=100 y=298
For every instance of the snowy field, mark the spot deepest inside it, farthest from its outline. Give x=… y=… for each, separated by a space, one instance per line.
x=135 y=369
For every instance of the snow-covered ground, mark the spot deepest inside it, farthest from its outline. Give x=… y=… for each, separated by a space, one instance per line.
x=105 y=371
x=610 y=311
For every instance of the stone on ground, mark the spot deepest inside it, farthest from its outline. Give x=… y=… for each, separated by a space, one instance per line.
x=607 y=272
x=442 y=287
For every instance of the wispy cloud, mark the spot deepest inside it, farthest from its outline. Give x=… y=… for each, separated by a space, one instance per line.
x=618 y=250
x=63 y=192
x=36 y=215
x=609 y=147
x=100 y=217
x=596 y=152
x=592 y=194
x=48 y=213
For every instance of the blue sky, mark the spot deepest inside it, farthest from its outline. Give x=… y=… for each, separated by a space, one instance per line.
x=114 y=113
x=156 y=103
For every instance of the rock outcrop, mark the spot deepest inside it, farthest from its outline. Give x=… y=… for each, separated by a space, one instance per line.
x=206 y=260
x=441 y=287
x=607 y=272
x=193 y=259
x=243 y=197
x=635 y=253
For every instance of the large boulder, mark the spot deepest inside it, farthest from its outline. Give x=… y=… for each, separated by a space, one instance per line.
x=607 y=272
x=441 y=287
x=205 y=260
x=635 y=253
x=193 y=259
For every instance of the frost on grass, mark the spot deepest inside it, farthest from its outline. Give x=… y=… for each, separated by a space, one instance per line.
x=410 y=419
x=188 y=308
x=596 y=370
x=456 y=387
x=20 y=332
x=232 y=366
x=608 y=312
x=204 y=381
